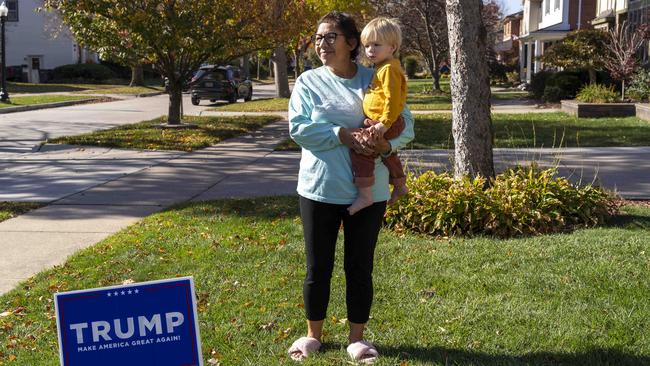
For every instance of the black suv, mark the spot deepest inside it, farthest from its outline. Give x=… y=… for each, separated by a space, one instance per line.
x=220 y=83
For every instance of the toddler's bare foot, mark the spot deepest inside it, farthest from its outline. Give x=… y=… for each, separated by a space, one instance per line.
x=364 y=200
x=398 y=192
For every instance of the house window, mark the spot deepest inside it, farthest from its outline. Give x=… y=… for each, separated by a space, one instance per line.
x=548 y=6
x=12 y=5
x=557 y=5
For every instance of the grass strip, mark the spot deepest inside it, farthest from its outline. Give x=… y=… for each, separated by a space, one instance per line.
x=28 y=88
x=41 y=99
x=570 y=299
x=258 y=105
x=146 y=135
x=126 y=90
x=536 y=130
x=10 y=210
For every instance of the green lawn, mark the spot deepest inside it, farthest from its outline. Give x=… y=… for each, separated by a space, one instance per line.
x=418 y=102
x=41 y=99
x=532 y=130
x=9 y=210
x=146 y=135
x=28 y=88
x=115 y=89
x=569 y=299
x=258 y=105
x=539 y=130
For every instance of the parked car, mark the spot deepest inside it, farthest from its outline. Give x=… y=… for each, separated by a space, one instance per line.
x=220 y=83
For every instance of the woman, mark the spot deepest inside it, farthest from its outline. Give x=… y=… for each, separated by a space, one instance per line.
x=325 y=116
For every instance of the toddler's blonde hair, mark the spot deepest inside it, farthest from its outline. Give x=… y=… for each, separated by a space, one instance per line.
x=384 y=30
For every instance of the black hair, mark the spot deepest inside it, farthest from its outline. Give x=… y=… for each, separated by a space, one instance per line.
x=345 y=22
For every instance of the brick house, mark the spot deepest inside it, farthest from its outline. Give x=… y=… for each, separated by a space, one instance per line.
x=546 y=22
x=508 y=48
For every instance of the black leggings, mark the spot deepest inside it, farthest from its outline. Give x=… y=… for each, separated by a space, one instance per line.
x=321 y=223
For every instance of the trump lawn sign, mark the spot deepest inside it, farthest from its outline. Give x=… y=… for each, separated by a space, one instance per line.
x=145 y=324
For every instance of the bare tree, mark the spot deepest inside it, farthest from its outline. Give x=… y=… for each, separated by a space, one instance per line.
x=621 y=61
x=424 y=29
x=470 y=89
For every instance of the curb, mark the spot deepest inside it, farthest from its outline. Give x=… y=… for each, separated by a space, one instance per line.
x=26 y=108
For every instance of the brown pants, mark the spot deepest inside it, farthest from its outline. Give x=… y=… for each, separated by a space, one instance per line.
x=363 y=166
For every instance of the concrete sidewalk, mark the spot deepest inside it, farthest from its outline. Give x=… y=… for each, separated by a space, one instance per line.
x=86 y=209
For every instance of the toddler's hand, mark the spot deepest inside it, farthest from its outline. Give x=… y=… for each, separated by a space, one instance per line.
x=369 y=122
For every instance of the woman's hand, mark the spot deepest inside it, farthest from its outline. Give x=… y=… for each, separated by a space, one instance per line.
x=378 y=146
x=352 y=138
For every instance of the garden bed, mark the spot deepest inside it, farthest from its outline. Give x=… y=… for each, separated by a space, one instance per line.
x=596 y=110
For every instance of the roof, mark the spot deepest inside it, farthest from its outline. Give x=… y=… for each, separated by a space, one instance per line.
x=513 y=16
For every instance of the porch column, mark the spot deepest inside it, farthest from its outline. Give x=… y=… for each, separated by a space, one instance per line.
x=538 y=52
x=522 y=62
x=529 y=62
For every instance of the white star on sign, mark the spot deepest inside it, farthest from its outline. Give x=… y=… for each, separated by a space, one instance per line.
x=115 y=293
x=109 y=294
x=130 y=292
x=122 y=292
x=136 y=291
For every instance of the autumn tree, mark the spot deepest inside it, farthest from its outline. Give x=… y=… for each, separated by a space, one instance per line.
x=305 y=27
x=176 y=36
x=470 y=89
x=581 y=49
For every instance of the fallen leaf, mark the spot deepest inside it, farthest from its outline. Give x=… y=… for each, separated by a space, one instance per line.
x=6 y=313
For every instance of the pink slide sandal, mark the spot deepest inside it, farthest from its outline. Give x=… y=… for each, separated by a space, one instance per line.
x=303 y=347
x=363 y=352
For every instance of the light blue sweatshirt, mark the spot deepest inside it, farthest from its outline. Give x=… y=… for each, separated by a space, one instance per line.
x=321 y=104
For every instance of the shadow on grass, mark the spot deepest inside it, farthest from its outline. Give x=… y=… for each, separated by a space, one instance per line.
x=630 y=221
x=445 y=356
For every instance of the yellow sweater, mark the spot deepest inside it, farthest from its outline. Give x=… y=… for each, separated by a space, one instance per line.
x=384 y=100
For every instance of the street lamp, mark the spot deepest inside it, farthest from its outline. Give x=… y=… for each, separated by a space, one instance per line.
x=4 y=95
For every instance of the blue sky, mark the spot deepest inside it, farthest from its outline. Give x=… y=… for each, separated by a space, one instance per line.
x=511 y=6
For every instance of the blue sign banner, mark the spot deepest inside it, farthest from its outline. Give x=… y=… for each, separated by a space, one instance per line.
x=146 y=324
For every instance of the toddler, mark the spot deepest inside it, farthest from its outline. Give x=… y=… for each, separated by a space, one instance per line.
x=382 y=105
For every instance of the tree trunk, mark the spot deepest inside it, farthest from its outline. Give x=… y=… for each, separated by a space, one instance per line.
x=281 y=77
x=435 y=75
x=296 y=73
x=137 y=75
x=622 y=90
x=592 y=76
x=245 y=64
x=175 y=100
x=470 y=89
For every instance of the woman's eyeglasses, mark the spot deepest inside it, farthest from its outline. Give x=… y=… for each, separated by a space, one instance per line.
x=329 y=38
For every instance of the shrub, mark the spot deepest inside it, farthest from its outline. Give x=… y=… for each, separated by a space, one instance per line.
x=568 y=81
x=512 y=77
x=538 y=84
x=597 y=93
x=410 y=66
x=520 y=201
x=639 y=88
x=554 y=94
x=94 y=72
